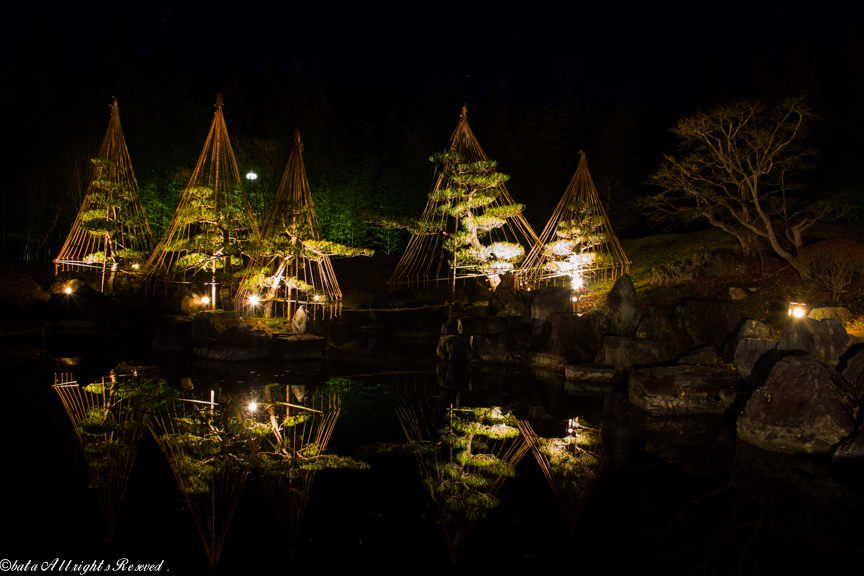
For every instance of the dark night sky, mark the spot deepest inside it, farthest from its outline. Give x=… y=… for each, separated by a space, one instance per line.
x=655 y=49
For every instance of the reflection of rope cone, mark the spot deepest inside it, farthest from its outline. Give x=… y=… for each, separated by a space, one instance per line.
x=290 y=494
x=421 y=414
x=212 y=506
x=571 y=489
x=109 y=447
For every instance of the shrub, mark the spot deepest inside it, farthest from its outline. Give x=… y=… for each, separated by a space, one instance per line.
x=834 y=263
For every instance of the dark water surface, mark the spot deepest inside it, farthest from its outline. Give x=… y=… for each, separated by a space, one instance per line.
x=680 y=496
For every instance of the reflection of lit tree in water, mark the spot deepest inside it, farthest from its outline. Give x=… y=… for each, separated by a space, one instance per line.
x=464 y=454
x=293 y=450
x=209 y=446
x=109 y=419
x=572 y=465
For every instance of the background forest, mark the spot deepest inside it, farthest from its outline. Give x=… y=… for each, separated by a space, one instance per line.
x=366 y=149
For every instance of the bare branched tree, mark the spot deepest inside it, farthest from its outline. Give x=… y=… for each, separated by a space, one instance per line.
x=737 y=169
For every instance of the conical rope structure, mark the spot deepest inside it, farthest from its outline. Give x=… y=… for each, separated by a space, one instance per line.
x=293 y=265
x=205 y=446
x=572 y=466
x=110 y=234
x=464 y=456
x=212 y=222
x=425 y=260
x=109 y=418
x=289 y=456
x=578 y=243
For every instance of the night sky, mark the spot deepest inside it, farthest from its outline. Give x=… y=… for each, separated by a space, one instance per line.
x=654 y=51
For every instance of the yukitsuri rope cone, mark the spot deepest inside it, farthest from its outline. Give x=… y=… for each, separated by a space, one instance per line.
x=200 y=442
x=212 y=221
x=111 y=234
x=464 y=463
x=578 y=242
x=293 y=259
x=424 y=260
x=109 y=419
x=290 y=456
x=572 y=466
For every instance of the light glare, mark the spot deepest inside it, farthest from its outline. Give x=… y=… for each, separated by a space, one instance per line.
x=67 y=290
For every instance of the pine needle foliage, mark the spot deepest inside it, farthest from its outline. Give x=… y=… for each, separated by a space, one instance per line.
x=109 y=419
x=578 y=241
x=213 y=221
x=468 y=210
x=111 y=233
x=464 y=456
x=292 y=259
x=294 y=448
x=572 y=465
x=210 y=447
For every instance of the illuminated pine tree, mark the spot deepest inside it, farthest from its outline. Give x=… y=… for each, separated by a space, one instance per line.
x=470 y=200
x=292 y=255
x=111 y=232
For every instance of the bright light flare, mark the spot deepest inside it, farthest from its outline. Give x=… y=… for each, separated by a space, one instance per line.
x=134 y=266
x=67 y=290
x=205 y=300
x=797 y=309
x=251 y=175
x=253 y=300
x=253 y=406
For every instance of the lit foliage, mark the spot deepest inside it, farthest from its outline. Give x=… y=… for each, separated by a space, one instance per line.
x=217 y=229
x=835 y=263
x=111 y=216
x=113 y=428
x=574 y=460
x=293 y=239
x=464 y=482
x=282 y=455
x=472 y=189
x=572 y=252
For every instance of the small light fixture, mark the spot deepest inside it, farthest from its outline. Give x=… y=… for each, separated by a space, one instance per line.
x=67 y=290
x=253 y=406
x=205 y=300
x=251 y=175
x=253 y=300
x=134 y=266
x=797 y=309
x=574 y=298
x=316 y=297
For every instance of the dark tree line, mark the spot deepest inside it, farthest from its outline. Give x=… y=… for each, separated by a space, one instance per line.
x=364 y=149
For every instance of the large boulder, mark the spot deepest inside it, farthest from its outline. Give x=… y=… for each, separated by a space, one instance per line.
x=547 y=303
x=852 y=366
x=838 y=313
x=176 y=335
x=84 y=311
x=504 y=348
x=750 y=351
x=625 y=352
x=508 y=299
x=567 y=343
x=624 y=314
x=237 y=343
x=710 y=322
x=486 y=325
x=703 y=356
x=825 y=340
x=749 y=329
x=658 y=326
x=593 y=373
x=207 y=326
x=299 y=321
x=298 y=346
x=685 y=389
x=455 y=348
x=805 y=407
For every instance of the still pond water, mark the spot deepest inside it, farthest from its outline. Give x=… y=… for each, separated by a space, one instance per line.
x=677 y=495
